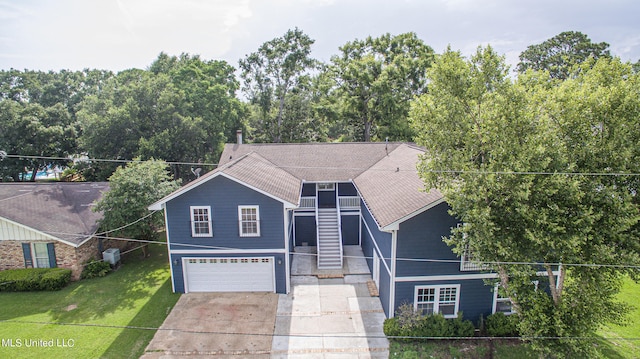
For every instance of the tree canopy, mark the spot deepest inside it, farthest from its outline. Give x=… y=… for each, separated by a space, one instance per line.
x=561 y=53
x=375 y=79
x=529 y=167
x=182 y=109
x=276 y=82
x=132 y=188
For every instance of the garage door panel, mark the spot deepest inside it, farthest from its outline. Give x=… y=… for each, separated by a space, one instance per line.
x=230 y=274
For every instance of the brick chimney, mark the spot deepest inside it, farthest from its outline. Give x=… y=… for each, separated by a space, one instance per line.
x=239 y=137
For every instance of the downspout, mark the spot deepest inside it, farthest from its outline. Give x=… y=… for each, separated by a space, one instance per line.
x=392 y=286
x=286 y=250
x=166 y=227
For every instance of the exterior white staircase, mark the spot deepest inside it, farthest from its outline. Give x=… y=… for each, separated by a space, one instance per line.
x=329 y=238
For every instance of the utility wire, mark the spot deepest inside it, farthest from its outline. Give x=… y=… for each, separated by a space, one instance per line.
x=545 y=173
x=426 y=260
x=104 y=160
x=335 y=335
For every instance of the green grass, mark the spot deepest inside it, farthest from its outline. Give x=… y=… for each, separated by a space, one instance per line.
x=86 y=319
x=618 y=346
x=460 y=350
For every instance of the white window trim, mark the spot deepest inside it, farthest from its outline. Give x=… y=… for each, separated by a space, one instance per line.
x=34 y=258
x=193 y=222
x=330 y=186
x=436 y=303
x=497 y=298
x=240 y=231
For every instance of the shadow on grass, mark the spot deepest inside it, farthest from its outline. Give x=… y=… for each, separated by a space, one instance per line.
x=91 y=299
x=608 y=349
x=132 y=342
x=95 y=298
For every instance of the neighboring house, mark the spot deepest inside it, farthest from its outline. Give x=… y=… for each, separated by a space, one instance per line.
x=235 y=228
x=45 y=225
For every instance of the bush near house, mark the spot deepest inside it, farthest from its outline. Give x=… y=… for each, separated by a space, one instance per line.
x=500 y=325
x=34 y=279
x=95 y=269
x=409 y=323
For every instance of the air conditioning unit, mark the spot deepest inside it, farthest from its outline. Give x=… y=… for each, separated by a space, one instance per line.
x=111 y=255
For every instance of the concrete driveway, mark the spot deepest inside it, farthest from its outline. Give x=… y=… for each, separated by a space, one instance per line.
x=329 y=318
x=325 y=315
x=222 y=324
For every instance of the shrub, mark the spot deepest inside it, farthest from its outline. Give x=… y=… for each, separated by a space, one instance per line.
x=500 y=325
x=95 y=269
x=34 y=279
x=409 y=323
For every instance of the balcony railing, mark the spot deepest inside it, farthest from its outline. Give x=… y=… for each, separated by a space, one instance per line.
x=307 y=202
x=351 y=202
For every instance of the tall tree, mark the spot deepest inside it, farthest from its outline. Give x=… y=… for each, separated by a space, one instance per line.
x=500 y=152
x=560 y=53
x=39 y=117
x=376 y=79
x=183 y=109
x=132 y=188
x=275 y=74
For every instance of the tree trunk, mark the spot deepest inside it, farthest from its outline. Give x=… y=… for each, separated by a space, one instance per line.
x=34 y=174
x=555 y=285
x=278 y=136
x=504 y=283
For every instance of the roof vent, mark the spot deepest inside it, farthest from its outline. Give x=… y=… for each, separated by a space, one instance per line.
x=239 y=137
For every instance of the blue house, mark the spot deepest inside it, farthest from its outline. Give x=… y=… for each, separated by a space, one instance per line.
x=236 y=228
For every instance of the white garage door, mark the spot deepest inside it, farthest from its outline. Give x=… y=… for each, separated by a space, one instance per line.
x=229 y=274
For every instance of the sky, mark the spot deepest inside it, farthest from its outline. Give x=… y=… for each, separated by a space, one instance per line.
x=121 y=34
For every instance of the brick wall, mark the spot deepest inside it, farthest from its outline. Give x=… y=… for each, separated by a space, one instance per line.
x=11 y=256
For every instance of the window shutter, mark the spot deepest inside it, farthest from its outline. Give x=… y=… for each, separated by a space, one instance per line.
x=51 y=252
x=26 y=252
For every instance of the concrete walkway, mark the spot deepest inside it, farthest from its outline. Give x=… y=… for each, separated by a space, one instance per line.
x=329 y=315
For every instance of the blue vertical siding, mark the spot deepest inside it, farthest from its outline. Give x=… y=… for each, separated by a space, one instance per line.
x=224 y=196
x=305 y=230
x=420 y=237
x=347 y=189
x=475 y=297
x=350 y=229
x=309 y=189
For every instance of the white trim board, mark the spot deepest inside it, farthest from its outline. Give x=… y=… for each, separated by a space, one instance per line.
x=227 y=251
x=457 y=277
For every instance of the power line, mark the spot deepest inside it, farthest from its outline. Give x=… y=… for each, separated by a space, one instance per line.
x=426 y=260
x=105 y=160
x=319 y=335
x=476 y=172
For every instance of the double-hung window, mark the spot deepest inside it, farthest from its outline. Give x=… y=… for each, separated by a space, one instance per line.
x=442 y=299
x=201 y=221
x=501 y=303
x=249 y=221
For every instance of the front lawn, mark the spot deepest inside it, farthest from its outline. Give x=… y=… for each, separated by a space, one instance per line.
x=87 y=319
x=623 y=340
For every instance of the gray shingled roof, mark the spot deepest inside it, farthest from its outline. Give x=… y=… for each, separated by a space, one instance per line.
x=258 y=172
x=384 y=173
x=60 y=209
x=315 y=161
x=392 y=189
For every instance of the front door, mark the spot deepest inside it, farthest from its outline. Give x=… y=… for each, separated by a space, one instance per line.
x=326 y=195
